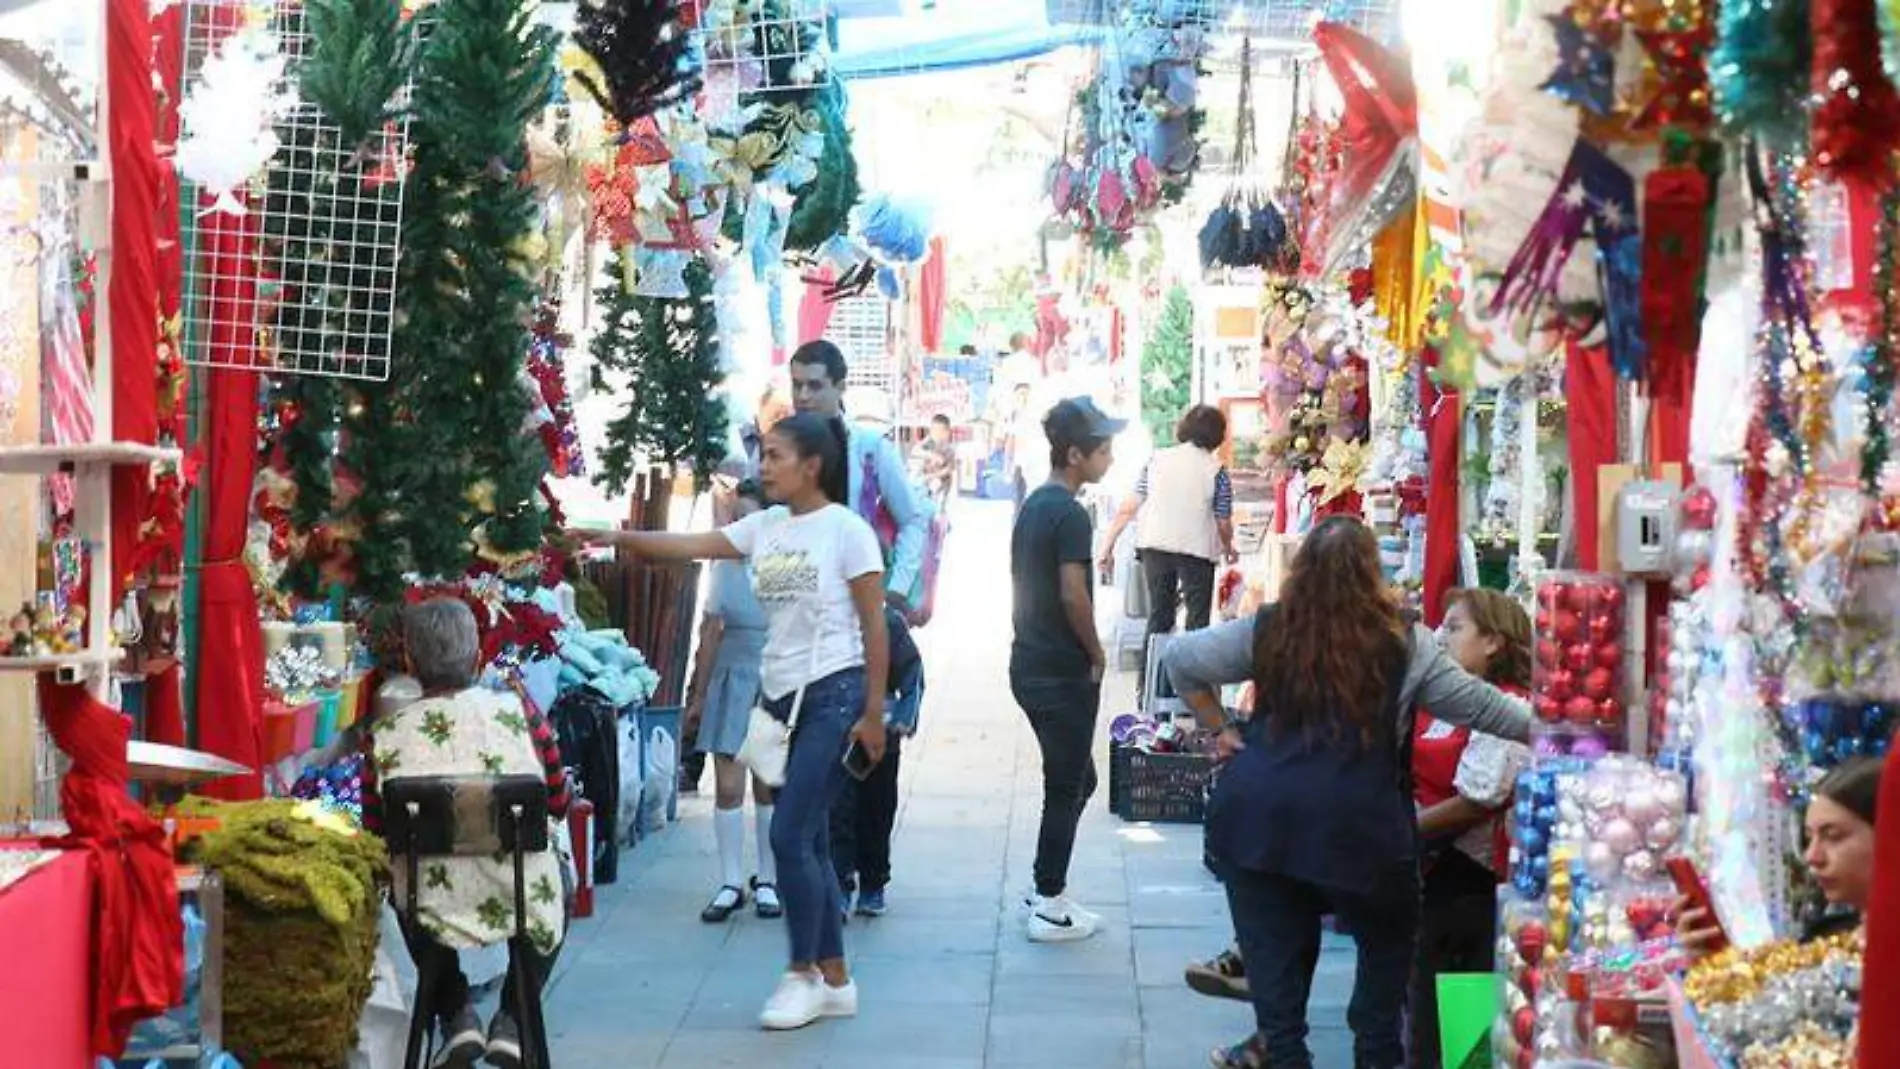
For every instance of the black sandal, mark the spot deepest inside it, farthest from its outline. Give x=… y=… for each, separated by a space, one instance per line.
x=717 y=912
x=772 y=910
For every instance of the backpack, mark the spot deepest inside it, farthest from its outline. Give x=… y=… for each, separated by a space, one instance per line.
x=922 y=595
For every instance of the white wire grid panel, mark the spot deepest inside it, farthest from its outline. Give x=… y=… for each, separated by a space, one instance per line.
x=1267 y=20
x=325 y=305
x=758 y=46
x=860 y=328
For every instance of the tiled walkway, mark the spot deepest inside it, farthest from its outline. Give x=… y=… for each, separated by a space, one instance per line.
x=948 y=981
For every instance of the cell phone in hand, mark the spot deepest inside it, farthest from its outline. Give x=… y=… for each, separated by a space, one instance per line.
x=857 y=761
x=1695 y=890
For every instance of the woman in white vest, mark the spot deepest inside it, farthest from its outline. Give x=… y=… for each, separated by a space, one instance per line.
x=1185 y=501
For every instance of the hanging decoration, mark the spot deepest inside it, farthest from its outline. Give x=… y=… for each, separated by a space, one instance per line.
x=1593 y=187
x=1760 y=69
x=1856 y=123
x=646 y=55
x=1246 y=229
x=1676 y=202
x=1377 y=129
x=1682 y=96
x=228 y=116
x=1586 y=65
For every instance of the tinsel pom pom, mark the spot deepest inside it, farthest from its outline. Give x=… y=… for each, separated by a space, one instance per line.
x=1759 y=69
x=1856 y=113
x=644 y=53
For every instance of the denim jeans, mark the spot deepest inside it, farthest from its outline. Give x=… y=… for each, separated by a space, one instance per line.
x=1062 y=712
x=862 y=818
x=801 y=835
x=1278 y=921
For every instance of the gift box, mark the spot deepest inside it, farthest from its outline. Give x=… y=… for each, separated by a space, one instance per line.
x=329 y=717
x=304 y=730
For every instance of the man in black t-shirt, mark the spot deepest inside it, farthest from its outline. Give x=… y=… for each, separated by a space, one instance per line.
x=1056 y=661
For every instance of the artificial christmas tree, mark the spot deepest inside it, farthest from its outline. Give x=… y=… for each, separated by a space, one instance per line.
x=1167 y=366
x=665 y=352
x=446 y=456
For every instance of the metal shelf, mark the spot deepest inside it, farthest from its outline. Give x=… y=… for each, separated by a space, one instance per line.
x=50 y=459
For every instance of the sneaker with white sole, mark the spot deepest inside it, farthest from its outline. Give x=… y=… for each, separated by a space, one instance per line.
x=1058 y=920
x=841 y=1001
x=462 y=1041
x=799 y=1000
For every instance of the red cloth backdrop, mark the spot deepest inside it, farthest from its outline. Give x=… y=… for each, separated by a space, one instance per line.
x=230 y=672
x=1590 y=385
x=134 y=288
x=931 y=285
x=138 y=969
x=46 y=920
x=1880 y=969
x=1444 y=533
x=164 y=691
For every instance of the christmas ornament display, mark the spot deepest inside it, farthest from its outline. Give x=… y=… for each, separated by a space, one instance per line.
x=1625 y=816
x=1576 y=680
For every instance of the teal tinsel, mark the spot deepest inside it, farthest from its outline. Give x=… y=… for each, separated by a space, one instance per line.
x=1888 y=12
x=1760 y=68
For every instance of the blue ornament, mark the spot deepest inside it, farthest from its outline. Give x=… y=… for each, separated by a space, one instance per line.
x=1586 y=68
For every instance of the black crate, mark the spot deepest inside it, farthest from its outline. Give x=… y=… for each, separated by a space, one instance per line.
x=1118 y=778
x=1165 y=788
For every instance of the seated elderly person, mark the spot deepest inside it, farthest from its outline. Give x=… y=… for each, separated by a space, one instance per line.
x=459 y=729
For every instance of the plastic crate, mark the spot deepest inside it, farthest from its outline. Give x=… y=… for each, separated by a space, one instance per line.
x=1166 y=788
x=1118 y=778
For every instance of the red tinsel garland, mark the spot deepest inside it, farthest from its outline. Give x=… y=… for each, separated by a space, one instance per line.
x=1675 y=249
x=1856 y=123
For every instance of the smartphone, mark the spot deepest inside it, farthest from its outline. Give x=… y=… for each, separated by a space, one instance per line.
x=857 y=761
x=1692 y=887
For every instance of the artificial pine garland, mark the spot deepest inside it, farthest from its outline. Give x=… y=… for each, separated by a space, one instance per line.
x=329 y=224
x=667 y=351
x=444 y=450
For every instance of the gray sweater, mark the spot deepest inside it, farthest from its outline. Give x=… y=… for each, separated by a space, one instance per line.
x=1206 y=660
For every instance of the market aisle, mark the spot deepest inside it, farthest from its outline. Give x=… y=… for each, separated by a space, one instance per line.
x=948 y=980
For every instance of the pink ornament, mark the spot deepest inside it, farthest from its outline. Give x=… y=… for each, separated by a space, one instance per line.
x=1640 y=866
x=1663 y=834
x=1673 y=798
x=1622 y=837
x=1601 y=861
x=1548 y=654
x=1642 y=806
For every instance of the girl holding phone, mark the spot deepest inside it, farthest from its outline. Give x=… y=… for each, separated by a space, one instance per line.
x=818 y=571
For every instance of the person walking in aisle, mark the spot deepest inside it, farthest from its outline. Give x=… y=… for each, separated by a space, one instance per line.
x=1056 y=659
x=879 y=481
x=817 y=570
x=1313 y=813
x=1185 y=500
x=865 y=812
x=719 y=703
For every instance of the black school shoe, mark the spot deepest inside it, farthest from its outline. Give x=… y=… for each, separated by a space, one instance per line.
x=767 y=910
x=720 y=910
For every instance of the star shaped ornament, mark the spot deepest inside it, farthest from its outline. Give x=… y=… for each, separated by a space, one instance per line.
x=1679 y=59
x=1586 y=67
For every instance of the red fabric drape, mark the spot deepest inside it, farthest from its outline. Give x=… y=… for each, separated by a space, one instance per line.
x=134 y=290
x=1444 y=534
x=1880 y=969
x=932 y=282
x=1590 y=385
x=138 y=970
x=230 y=679
x=814 y=311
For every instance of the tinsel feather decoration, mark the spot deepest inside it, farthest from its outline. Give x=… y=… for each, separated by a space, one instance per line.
x=646 y=56
x=1676 y=203
x=1856 y=122
x=1760 y=68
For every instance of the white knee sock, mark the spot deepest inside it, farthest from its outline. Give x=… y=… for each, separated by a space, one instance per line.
x=768 y=865
x=729 y=833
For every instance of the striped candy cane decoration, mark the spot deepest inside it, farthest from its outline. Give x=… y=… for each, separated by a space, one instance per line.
x=68 y=378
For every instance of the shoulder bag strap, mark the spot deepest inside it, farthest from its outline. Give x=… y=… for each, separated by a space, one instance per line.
x=1405 y=716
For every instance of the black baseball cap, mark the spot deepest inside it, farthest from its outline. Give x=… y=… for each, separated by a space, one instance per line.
x=1076 y=420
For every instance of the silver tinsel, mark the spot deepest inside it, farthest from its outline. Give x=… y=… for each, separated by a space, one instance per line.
x=298 y=671
x=1827 y=996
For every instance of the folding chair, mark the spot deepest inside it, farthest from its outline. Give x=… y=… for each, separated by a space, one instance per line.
x=472 y=816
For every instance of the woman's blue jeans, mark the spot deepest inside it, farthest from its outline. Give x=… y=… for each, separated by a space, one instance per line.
x=801 y=832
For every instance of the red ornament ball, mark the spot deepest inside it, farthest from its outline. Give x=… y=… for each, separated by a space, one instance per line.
x=1524 y=1024
x=1698 y=509
x=1579 y=658
x=1610 y=599
x=1573 y=596
x=1547 y=708
x=1568 y=626
x=1549 y=654
x=1599 y=684
x=1609 y=712
x=1580 y=710
x=1603 y=628
x=1532 y=939
x=1561 y=684
x=1608 y=655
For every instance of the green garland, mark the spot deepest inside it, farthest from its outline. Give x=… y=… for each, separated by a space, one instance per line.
x=301 y=909
x=1880 y=358
x=823 y=208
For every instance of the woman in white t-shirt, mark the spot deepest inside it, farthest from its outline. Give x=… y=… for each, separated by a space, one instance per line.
x=818 y=571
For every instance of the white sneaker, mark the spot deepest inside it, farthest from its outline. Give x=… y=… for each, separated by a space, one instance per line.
x=1058 y=920
x=799 y=1000
x=841 y=1001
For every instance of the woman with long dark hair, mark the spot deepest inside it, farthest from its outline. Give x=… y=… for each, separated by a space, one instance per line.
x=1313 y=813
x=818 y=571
